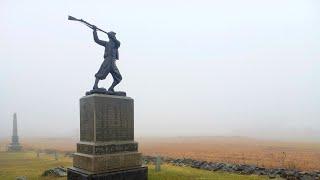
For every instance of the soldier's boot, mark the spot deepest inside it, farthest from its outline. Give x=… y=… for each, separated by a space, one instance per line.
x=111 y=88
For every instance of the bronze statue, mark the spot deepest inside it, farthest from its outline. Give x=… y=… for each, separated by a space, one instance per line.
x=111 y=54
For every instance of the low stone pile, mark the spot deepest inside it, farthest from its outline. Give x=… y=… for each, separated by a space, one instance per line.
x=21 y=178
x=289 y=174
x=57 y=171
x=69 y=154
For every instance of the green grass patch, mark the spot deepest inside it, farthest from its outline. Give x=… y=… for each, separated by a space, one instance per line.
x=27 y=164
x=169 y=172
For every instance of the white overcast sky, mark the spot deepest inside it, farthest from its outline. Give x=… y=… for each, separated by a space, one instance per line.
x=231 y=67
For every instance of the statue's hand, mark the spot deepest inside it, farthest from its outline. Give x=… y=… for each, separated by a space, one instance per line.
x=94 y=27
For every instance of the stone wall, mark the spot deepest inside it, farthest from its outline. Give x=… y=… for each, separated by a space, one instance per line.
x=291 y=174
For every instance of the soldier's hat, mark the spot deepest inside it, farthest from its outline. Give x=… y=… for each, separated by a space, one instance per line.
x=111 y=33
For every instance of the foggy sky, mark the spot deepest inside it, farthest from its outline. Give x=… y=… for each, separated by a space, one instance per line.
x=234 y=67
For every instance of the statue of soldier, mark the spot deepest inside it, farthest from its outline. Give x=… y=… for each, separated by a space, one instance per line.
x=111 y=54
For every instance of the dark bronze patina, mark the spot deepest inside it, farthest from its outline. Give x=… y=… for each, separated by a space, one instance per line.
x=108 y=66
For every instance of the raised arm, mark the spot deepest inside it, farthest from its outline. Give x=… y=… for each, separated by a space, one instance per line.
x=96 y=39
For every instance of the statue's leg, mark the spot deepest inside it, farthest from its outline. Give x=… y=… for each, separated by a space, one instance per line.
x=116 y=80
x=102 y=73
x=95 y=86
x=116 y=77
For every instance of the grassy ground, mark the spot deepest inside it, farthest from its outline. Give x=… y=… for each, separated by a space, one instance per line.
x=27 y=164
x=169 y=172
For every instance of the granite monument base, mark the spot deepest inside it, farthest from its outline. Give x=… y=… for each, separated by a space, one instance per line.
x=14 y=147
x=140 y=173
x=107 y=162
x=107 y=149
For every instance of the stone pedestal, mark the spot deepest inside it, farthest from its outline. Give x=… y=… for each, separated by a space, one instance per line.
x=140 y=173
x=107 y=147
x=14 y=147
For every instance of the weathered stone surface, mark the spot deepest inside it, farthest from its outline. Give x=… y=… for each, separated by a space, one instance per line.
x=107 y=138
x=57 y=171
x=140 y=173
x=108 y=162
x=21 y=178
x=106 y=118
x=107 y=148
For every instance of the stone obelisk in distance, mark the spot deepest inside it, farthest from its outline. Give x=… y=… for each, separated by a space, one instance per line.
x=15 y=146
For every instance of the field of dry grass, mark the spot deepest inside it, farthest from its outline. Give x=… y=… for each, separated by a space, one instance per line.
x=299 y=155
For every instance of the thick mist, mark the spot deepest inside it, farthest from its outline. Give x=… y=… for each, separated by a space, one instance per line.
x=194 y=68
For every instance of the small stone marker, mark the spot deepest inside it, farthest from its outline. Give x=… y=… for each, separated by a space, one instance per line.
x=158 y=164
x=56 y=155
x=38 y=154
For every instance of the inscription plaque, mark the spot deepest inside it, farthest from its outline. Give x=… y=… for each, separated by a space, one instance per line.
x=108 y=148
x=106 y=118
x=86 y=120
